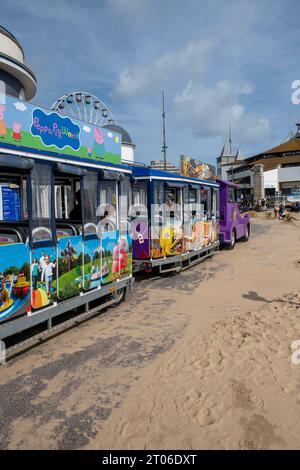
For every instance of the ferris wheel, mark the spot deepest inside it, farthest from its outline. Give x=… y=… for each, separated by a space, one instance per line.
x=84 y=106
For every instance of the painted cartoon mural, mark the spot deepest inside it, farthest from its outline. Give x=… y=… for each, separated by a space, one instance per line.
x=110 y=257
x=26 y=125
x=43 y=275
x=2 y=121
x=14 y=280
x=125 y=254
x=166 y=240
x=69 y=266
x=141 y=243
x=92 y=269
x=195 y=169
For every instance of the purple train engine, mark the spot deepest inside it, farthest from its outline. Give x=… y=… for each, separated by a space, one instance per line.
x=233 y=225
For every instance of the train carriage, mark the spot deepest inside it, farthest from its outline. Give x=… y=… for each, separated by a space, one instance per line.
x=175 y=220
x=65 y=243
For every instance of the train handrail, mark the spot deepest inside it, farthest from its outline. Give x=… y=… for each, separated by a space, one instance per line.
x=40 y=229
x=19 y=234
x=61 y=225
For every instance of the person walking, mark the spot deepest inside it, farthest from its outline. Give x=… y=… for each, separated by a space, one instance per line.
x=276 y=209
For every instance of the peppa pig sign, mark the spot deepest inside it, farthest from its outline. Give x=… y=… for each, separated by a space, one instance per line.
x=37 y=130
x=56 y=130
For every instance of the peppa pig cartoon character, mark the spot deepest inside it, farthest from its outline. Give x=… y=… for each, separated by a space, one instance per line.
x=123 y=247
x=16 y=131
x=2 y=121
x=90 y=151
x=99 y=147
x=115 y=261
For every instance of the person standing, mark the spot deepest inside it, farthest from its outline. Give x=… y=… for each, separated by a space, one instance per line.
x=276 y=209
x=42 y=266
x=34 y=273
x=281 y=210
x=48 y=270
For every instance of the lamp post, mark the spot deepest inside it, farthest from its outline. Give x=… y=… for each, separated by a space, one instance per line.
x=164 y=147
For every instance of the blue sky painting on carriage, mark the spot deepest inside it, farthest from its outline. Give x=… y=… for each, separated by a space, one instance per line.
x=218 y=62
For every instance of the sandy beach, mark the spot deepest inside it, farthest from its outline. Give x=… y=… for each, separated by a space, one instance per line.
x=201 y=360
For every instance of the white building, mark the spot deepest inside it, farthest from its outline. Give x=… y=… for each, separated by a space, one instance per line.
x=281 y=169
x=127 y=147
x=16 y=78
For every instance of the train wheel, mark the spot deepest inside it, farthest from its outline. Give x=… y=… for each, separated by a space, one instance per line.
x=233 y=239
x=247 y=234
x=118 y=297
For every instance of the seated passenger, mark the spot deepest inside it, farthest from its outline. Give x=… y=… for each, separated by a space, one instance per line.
x=76 y=213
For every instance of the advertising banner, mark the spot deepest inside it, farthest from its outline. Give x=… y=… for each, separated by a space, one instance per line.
x=196 y=169
x=36 y=129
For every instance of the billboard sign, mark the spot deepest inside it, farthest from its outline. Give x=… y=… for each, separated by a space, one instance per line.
x=195 y=169
x=36 y=129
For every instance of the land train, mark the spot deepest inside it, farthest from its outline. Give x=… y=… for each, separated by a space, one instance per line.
x=75 y=223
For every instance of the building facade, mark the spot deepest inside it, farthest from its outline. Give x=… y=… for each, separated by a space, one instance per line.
x=159 y=165
x=280 y=170
x=227 y=161
x=16 y=78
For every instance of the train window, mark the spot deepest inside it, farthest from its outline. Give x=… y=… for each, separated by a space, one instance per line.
x=158 y=193
x=232 y=194
x=140 y=193
x=173 y=203
x=172 y=196
x=215 y=203
x=41 y=179
x=205 y=197
x=90 y=194
x=157 y=215
x=108 y=204
x=10 y=199
x=67 y=198
x=192 y=196
x=125 y=202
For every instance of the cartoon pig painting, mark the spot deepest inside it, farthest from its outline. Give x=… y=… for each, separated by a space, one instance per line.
x=2 y=121
x=16 y=131
x=99 y=142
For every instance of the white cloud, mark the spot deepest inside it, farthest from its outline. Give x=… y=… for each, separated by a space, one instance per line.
x=209 y=110
x=191 y=59
x=20 y=106
x=110 y=135
x=86 y=128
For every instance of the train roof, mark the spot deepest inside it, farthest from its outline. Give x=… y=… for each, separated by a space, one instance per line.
x=150 y=173
x=229 y=183
x=48 y=157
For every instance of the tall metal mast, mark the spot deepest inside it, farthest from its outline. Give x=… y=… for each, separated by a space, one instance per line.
x=164 y=147
x=230 y=150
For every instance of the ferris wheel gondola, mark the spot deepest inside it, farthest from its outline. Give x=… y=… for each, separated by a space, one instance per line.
x=86 y=107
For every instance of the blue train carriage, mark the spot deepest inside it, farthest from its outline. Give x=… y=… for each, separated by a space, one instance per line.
x=175 y=220
x=65 y=240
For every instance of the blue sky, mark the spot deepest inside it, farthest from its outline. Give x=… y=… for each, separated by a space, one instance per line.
x=218 y=62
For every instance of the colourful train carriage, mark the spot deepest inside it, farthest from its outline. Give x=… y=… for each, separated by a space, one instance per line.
x=64 y=237
x=175 y=219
